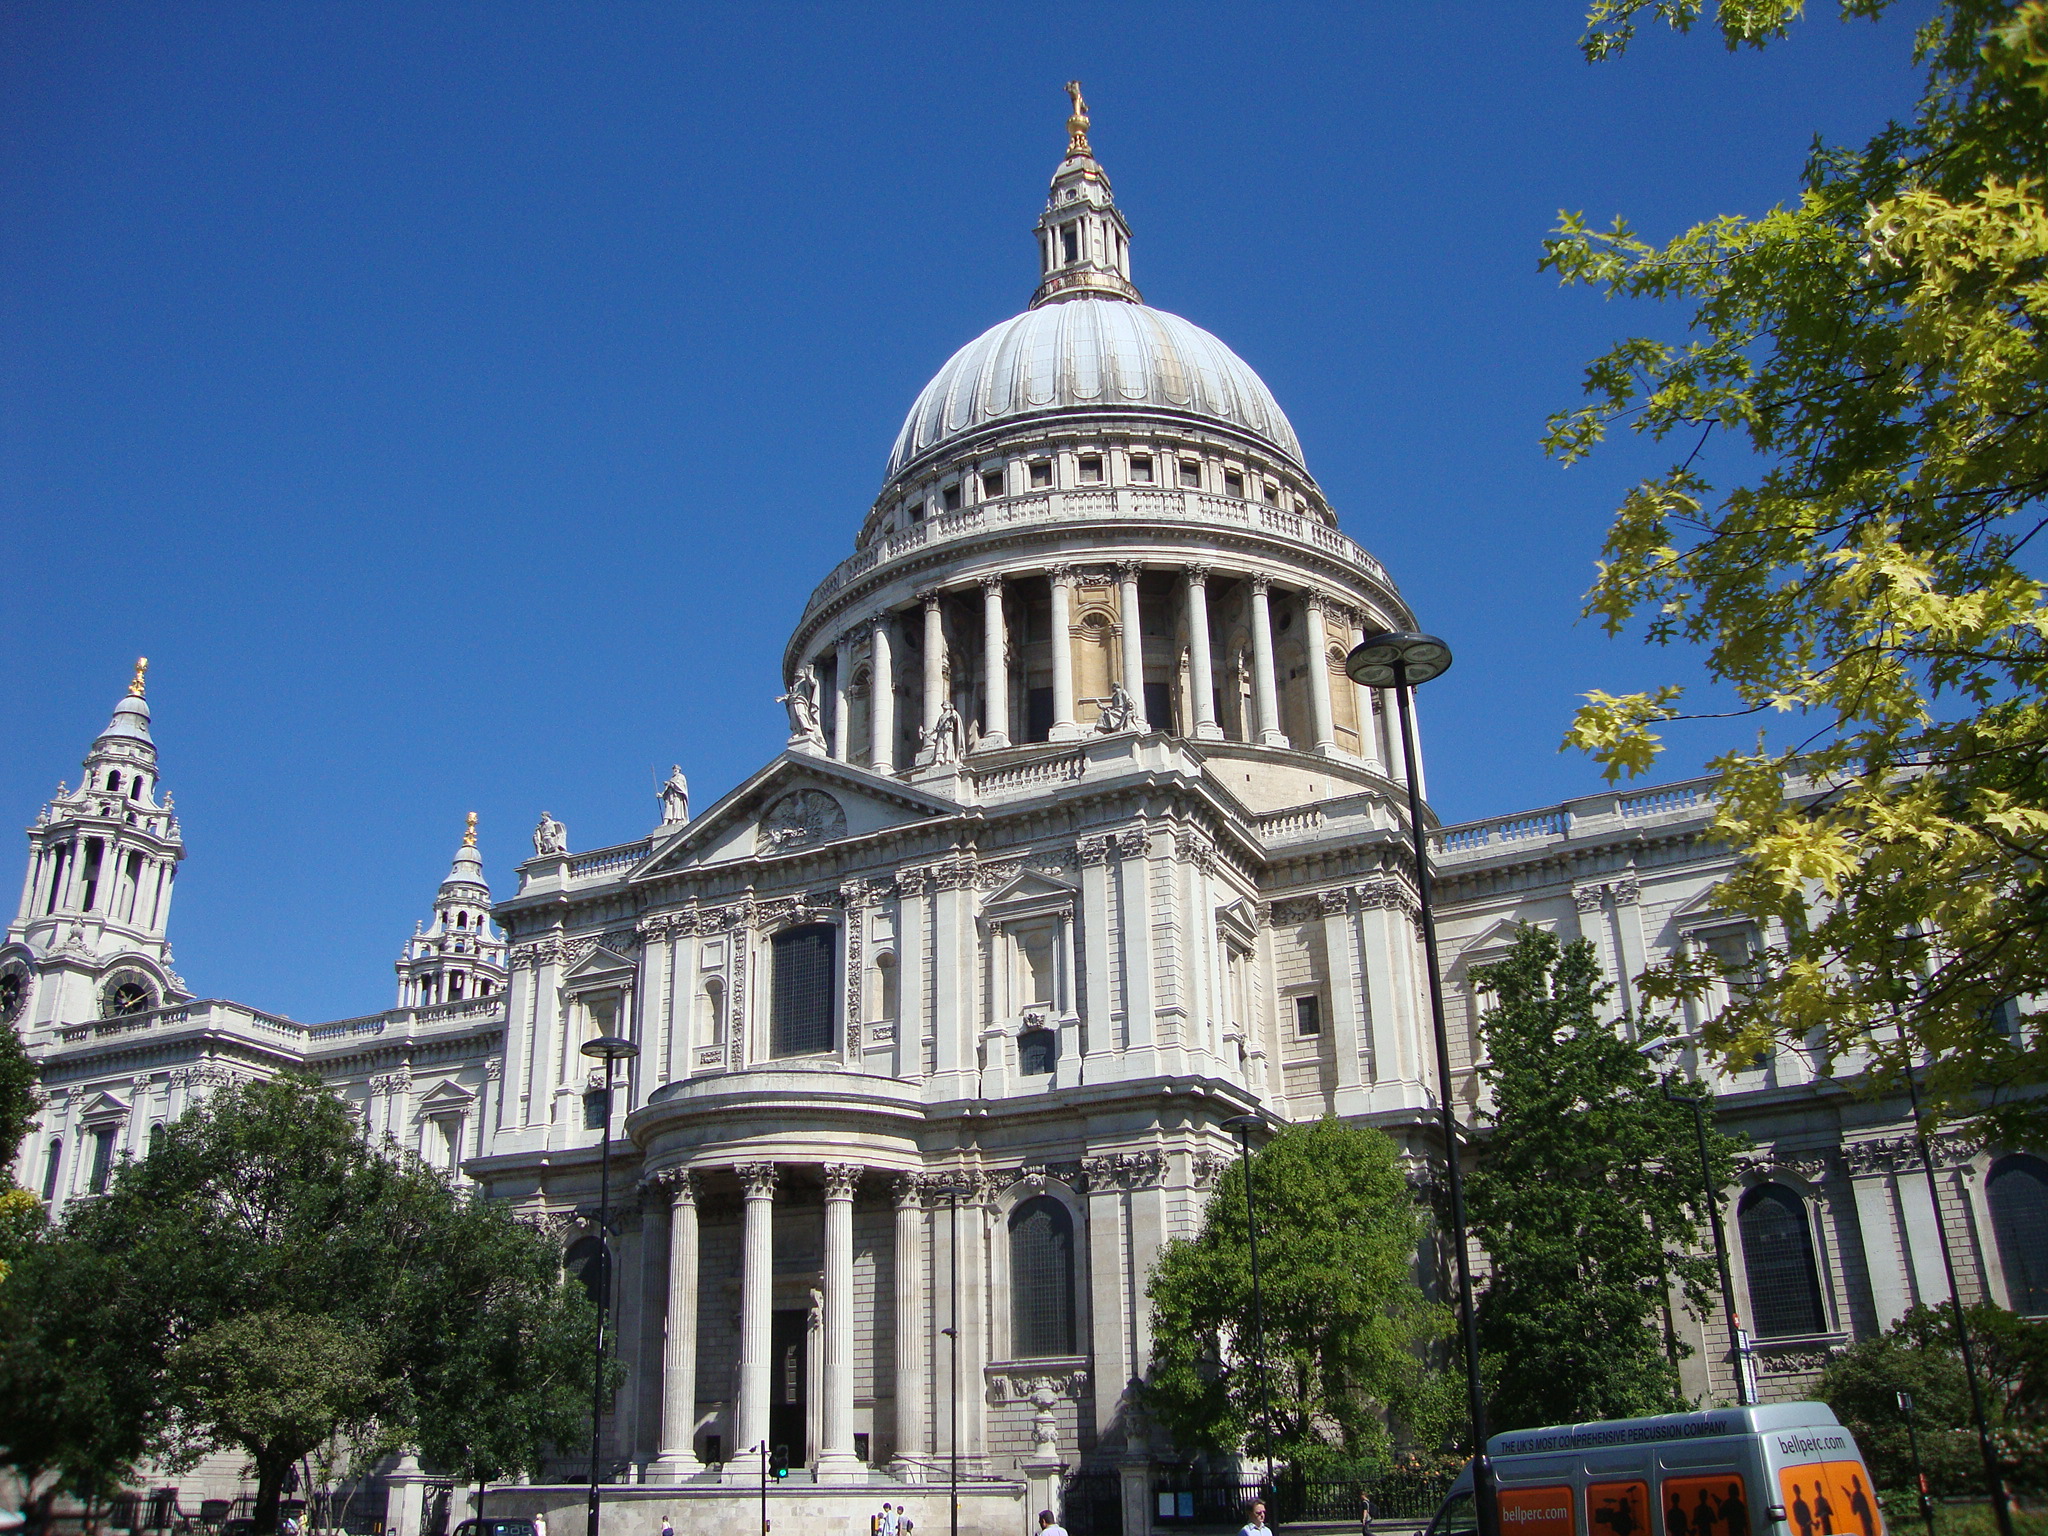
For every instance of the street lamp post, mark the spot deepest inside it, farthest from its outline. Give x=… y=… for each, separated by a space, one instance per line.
x=1244 y=1125
x=611 y=1050
x=1399 y=660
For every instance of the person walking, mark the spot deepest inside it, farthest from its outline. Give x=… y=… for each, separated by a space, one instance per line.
x=1048 y=1526
x=1364 y=1512
x=540 y=1523
x=666 y=1528
x=1256 y=1525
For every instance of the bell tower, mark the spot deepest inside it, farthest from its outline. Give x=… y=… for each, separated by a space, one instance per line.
x=460 y=955
x=88 y=941
x=1084 y=242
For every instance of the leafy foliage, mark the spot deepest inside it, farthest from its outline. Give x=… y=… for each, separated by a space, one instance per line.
x=1587 y=1197
x=19 y=1099
x=1918 y=1354
x=1875 y=352
x=265 y=1278
x=1346 y=1324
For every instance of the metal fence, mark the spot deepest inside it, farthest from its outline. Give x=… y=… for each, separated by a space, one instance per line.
x=1185 y=1499
x=1092 y=1504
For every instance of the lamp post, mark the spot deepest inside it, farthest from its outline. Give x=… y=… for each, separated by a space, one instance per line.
x=1400 y=661
x=611 y=1050
x=1244 y=1125
x=1738 y=1336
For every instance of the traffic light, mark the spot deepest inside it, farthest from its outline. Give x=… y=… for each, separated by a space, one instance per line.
x=778 y=1462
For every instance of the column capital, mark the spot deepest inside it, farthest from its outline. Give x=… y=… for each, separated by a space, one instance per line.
x=682 y=1189
x=759 y=1178
x=990 y=585
x=840 y=1179
x=879 y=621
x=1062 y=575
x=1261 y=585
x=908 y=1190
x=1195 y=575
x=1129 y=570
x=1316 y=602
x=930 y=597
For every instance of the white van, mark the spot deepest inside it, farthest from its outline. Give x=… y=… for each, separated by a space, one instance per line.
x=1787 y=1469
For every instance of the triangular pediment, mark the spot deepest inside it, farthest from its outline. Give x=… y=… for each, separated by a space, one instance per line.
x=1029 y=891
x=1701 y=912
x=599 y=966
x=448 y=1095
x=795 y=804
x=1493 y=943
x=1240 y=918
x=102 y=1105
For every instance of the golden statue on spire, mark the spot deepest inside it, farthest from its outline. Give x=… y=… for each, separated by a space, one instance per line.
x=135 y=686
x=469 y=832
x=1077 y=125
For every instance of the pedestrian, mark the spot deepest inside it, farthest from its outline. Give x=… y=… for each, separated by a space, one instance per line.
x=890 y=1519
x=666 y=1528
x=1048 y=1526
x=1364 y=1513
x=1256 y=1525
x=540 y=1522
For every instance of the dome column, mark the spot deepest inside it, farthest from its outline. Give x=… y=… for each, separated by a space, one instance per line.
x=842 y=696
x=1320 y=707
x=757 y=1301
x=1368 y=698
x=1200 y=666
x=1265 y=687
x=1134 y=640
x=995 y=666
x=882 y=701
x=1064 y=726
x=934 y=661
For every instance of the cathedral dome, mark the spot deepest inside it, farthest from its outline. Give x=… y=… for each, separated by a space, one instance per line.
x=1091 y=352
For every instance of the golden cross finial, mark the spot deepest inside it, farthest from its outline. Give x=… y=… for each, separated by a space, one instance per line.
x=141 y=667
x=469 y=832
x=1077 y=125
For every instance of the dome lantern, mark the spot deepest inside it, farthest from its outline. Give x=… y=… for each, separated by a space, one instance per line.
x=1084 y=243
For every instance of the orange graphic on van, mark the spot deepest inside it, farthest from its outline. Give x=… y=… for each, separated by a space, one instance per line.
x=1830 y=1498
x=1714 y=1505
x=1618 y=1509
x=1536 y=1511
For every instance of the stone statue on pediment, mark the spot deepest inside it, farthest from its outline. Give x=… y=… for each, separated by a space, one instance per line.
x=805 y=733
x=550 y=837
x=675 y=797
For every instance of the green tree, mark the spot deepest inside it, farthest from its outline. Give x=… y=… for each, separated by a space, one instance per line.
x=1587 y=1198
x=1865 y=379
x=19 y=1099
x=1918 y=1354
x=266 y=1278
x=1347 y=1327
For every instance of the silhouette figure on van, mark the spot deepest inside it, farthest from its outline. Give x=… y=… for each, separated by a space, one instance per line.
x=1859 y=1506
x=1704 y=1514
x=1618 y=1515
x=1802 y=1512
x=1675 y=1523
x=1735 y=1512
x=1823 y=1511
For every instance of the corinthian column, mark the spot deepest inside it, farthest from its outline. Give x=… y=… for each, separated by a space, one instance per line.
x=913 y=1438
x=679 y=1357
x=934 y=660
x=1265 y=687
x=1202 y=674
x=1064 y=726
x=836 y=1460
x=1134 y=638
x=842 y=698
x=882 y=701
x=1316 y=636
x=995 y=666
x=757 y=1301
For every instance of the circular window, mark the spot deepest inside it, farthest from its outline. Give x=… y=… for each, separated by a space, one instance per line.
x=14 y=984
x=126 y=992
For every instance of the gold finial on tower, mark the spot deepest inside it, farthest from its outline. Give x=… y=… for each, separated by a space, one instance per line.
x=1077 y=125
x=469 y=832
x=135 y=686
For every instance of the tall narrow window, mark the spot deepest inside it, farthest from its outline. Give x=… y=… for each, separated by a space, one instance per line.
x=1777 y=1257
x=802 y=1013
x=1041 y=1279
x=1038 y=978
x=714 y=1011
x=585 y=1260
x=93 y=847
x=102 y=1158
x=886 y=983
x=2018 y=1192
x=50 y=1169
x=1308 y=1017
x=1070 y=245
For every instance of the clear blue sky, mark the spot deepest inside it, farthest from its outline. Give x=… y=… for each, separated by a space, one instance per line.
x=456 y=402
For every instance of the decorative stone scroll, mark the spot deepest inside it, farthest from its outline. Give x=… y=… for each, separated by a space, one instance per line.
x=1021 y=1383
x=1792 y=1362
x=1125 y=1170
x=1901 y=1154
x=1206 y=1167
x=1813 y=1166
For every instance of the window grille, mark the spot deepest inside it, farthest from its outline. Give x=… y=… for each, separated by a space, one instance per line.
x=1777 y=1257
x=1036 y=1050
x=802 y=1015
x=1041 y=1279
x=2019 y=1216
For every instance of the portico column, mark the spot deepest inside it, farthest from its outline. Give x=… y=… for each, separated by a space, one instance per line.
x=934 y=660
x=835 y=1441
x=995 y=666
x=1368 y=699
x=1134 y=639
x=679 y=1356
x=757 y=1301
x=842 y=697
x=882 y=701
x=913 y=1442
x=1203 y=678
x=1064 y=726
x=1316 y=634
x=1265 y=688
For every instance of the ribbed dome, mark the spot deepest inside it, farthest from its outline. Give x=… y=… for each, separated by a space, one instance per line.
x=1091 y=353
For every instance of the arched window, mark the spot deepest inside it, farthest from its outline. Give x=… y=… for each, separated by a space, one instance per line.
x=886 y=993
x=2019 y=1216
x=1777 y=1257
x=714 y=1011
x=1041 y=1279
x=585 y=1260
x=114 y=781
x=803 y=994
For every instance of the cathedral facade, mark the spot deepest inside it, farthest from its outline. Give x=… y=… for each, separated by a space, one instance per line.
x=1083 y=844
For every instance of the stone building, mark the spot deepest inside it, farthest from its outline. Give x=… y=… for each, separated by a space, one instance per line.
x=1082 y=844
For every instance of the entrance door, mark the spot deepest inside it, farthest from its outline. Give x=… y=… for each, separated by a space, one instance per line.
x=787 y=1387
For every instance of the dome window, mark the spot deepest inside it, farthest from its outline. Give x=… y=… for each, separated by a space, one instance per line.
x=1271 y=492
x=1141 y=469
x=1041 y=474
x=1091 y=469
x=1191 y=474
x=1070 y=244
x=951 y=497
x=1233 y=482
x=991 y=484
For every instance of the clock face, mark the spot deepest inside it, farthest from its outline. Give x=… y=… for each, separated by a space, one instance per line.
x=13 y=993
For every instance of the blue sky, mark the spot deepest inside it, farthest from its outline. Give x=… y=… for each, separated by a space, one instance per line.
x=456 y=402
